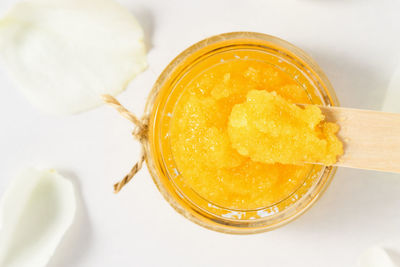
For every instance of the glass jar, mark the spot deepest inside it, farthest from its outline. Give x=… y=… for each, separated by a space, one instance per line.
x=159 y=112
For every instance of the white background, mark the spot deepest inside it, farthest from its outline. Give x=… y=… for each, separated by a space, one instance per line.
x=356 y=42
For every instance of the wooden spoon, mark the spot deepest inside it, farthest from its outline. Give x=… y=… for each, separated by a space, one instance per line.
x=371 y=139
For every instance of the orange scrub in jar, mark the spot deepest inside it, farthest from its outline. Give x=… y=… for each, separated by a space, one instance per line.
x=212 y=152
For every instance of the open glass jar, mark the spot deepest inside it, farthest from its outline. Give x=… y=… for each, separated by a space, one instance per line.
x=160 y=111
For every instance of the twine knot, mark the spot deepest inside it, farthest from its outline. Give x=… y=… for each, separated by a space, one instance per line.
x=139 y=132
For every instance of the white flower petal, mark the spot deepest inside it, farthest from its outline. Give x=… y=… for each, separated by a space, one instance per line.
x=64 y=54
x=375 y=257
x=35 y=212
x=393 y=94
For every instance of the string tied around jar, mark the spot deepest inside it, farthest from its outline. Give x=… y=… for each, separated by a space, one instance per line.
x=139 y=133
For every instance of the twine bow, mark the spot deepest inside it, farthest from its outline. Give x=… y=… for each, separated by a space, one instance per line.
x=140 y=133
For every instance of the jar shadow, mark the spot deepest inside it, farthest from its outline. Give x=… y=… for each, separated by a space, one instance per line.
x=358 y=203
x=357 y=84
x=77 y=239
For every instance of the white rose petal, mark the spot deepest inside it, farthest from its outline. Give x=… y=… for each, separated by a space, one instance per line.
x=393 y=93
x=375 y=257
x=35 y=212
x=64 y=54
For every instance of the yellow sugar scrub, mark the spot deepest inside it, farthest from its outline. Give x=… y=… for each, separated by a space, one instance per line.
x=229 y=135
x=223 y=173
x=269 y=129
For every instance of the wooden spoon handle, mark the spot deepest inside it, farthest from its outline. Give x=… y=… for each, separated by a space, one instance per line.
x=371 y=139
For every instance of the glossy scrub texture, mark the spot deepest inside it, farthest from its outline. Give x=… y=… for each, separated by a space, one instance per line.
x=225 y=159
x=269 y=129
